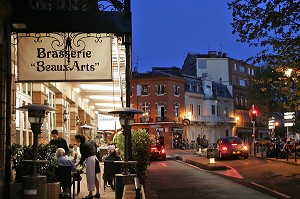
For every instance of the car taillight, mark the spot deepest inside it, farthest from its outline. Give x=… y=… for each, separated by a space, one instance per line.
x=245 y=147
x=224 y=148
x=233 y=144
x=153 y=148
x=163 y=151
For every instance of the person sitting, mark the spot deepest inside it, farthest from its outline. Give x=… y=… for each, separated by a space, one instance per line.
x=63 y=160
x=114 y=155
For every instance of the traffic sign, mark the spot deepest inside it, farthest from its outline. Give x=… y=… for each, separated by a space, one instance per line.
x=186 y=122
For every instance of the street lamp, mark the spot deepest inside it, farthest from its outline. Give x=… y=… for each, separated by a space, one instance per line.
x=86 y=129
x=36 y=116
x=35 y=184
x=126 y=118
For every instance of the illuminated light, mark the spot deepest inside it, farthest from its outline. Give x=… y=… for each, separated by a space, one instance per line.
x=86 y=100
x=234 y=144
x=288 y=72
x=77 y=90
x=94 y=87
x=212 y=161
x=163 y=151
x=92 y=107
x=104 y=97
x=224 y=148
x=108 y=105
x=245 y=147
x=237 y=118
x=153 y=148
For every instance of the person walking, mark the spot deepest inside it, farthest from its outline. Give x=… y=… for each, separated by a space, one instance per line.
x=58 y=141
x=92 y=165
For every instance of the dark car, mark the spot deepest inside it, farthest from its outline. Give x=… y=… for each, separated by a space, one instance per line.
x=229 y=147
x=158 y=152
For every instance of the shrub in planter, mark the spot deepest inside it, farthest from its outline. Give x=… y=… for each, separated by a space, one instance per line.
x=45 y=152
x=140 y=151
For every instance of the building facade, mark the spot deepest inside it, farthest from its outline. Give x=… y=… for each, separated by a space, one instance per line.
x=235 y=75
x=160 y=96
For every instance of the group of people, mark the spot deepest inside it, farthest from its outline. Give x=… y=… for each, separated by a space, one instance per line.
x=202 y=142
x=86 y=154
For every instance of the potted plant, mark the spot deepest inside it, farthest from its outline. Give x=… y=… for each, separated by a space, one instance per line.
x=140 y=151
x=23 y=168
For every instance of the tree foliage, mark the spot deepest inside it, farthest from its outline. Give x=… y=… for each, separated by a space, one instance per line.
x=273 y=25
x=140 y=151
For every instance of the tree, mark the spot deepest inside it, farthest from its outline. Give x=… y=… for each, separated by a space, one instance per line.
x=273 y=25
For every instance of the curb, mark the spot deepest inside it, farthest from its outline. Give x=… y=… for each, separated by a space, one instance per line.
x=208 y=166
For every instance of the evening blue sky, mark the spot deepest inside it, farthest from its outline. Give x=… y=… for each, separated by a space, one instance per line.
x=165 y=31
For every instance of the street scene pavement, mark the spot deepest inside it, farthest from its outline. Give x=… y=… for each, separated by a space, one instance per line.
x=192 y=157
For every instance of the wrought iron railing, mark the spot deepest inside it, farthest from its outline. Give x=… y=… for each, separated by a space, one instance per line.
x=72 y=5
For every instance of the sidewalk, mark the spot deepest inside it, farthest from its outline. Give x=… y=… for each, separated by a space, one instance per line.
x=200 y=160
x=108 y=193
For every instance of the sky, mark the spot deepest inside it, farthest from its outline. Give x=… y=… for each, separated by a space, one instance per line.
x=165 y=31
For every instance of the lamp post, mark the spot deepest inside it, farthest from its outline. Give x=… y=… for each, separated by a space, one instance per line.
x=126 y=117
x=33 y=184
x=86 y=129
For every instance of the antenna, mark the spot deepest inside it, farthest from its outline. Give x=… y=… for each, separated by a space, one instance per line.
x=136 y=63
x=221 y=47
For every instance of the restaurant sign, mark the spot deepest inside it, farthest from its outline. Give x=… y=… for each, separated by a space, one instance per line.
x=64 y=57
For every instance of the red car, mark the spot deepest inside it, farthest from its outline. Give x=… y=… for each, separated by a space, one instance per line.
x=158 y=152
x=231 y=147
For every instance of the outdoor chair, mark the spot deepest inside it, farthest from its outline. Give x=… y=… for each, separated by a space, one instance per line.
x=64 y=176
x=110 y=170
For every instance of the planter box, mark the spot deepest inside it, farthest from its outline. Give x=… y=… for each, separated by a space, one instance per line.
x=16 y=190
x=53 y=190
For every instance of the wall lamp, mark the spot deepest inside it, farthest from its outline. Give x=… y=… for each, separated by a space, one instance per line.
x=66 y=115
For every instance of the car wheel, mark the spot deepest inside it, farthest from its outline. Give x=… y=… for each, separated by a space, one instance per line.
x=241 y=157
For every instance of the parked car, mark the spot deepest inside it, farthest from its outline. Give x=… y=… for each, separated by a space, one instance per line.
x=158 y=152
x=229 y=147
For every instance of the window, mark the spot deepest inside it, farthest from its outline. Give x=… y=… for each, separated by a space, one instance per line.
x=160 y=111
x=226 y=112
x=176 y=109
x=236 y=100
x=145 y=90
x=176 y=90
x=202 y=64
x=234 y=66
x=213 y=109
x=160 y=89
x=145 y=107
x=198 y=109
x=218 y=110
x=249 y=71
x=192 y=109
x=243 y=82
x=242 y=69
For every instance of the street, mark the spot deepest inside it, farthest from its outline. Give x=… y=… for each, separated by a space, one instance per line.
x=175 y=179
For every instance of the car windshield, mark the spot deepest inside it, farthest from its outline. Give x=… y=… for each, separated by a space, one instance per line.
x=233 y=141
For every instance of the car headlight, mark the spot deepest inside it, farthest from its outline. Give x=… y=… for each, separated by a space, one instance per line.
x=245 y=148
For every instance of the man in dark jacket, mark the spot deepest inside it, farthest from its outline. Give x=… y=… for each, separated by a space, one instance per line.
x=58 y=141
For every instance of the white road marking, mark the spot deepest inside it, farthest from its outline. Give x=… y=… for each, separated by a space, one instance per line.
x=276 y=192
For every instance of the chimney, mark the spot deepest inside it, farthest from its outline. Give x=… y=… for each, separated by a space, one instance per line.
x=224 y=55
x=219 y=53
x=212 y=54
